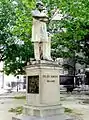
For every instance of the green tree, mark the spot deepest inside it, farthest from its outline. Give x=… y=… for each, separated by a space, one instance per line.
x=16 y=20
x=6 y=23
x=76 y=22
x=13 y=50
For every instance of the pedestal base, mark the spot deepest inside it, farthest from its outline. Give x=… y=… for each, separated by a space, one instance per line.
x=43 y=111
x=43 y=103
x=55 y=117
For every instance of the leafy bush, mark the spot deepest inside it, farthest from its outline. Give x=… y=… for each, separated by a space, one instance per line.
x=68 y=110
x=20 y=97
x=17 y=110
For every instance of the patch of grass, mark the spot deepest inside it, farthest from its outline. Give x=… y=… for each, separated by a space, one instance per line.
x=86 y=101
x=62 y=98
x=20 y=97
x=11 y=110
x=17 y=110
x=68 y=110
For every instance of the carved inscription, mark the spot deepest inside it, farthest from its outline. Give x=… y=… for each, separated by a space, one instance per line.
x=33 y=84
x=50 y=78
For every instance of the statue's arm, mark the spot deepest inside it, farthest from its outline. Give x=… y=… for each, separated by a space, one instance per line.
x=44 y=19
x=40 y=16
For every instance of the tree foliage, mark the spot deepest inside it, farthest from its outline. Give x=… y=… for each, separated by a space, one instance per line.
x=76 y=21
x=15 y=31
x=15 y=45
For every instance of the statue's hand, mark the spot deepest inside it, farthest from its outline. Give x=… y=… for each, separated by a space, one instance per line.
x=44 y=19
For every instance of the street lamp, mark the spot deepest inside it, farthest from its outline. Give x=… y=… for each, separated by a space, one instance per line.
x=17 y=83
x=74 y=67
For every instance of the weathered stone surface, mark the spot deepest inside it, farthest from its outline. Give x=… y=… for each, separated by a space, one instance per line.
x=56 y=117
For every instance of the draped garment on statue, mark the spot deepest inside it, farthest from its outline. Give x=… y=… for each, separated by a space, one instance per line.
x=39 y=29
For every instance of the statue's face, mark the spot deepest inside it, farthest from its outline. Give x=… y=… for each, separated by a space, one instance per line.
x=40 y=6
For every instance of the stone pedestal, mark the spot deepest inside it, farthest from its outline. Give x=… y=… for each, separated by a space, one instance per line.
x=43 y=92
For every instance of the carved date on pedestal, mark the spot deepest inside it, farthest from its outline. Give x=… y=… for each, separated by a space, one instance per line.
x=33 y=84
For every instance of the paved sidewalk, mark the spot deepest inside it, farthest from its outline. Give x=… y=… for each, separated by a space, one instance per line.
x=75 y=102
x=13 y=94
x=80 y=111
x=7 y=104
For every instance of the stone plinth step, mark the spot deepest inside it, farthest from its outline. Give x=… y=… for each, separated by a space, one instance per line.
x=56 y=117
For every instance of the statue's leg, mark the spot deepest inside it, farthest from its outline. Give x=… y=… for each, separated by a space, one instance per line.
x=41 y=50
x=47 y=50
x=36 y=51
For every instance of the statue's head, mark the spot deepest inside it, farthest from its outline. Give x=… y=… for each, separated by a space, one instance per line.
x=40 y=5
